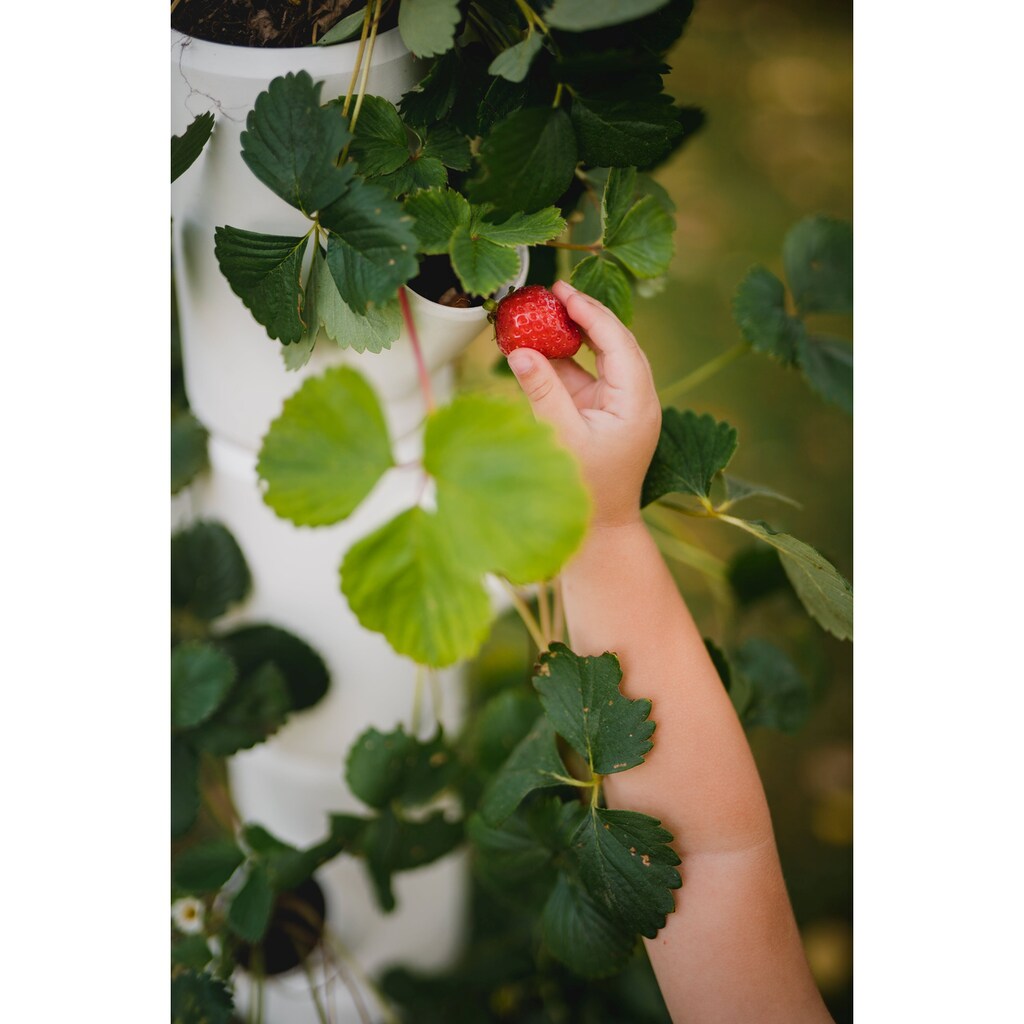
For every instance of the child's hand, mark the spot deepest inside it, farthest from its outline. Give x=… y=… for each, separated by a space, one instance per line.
x=611 y=424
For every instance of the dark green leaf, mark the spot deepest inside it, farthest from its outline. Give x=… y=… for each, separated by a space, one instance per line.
x=372 y=248
x=504 y=721
x=304 y=670
x=287 y=867
x=206 y=867
x=438 y=214
x=643 y=239
x=514 y=63
x=249 y=913
x=756 y=572
x=827 y=364
x=256 y=708
x=184 y=786
x=201 y=677
x=381 y=143
x=431 y=767
x=198 y=998
x=419 y=173
x=264 y=272
x=606 y=282
x=626 y=131
x=527 y=161
x=582 y=699
x=510 y=854
x=481 y=450
x=759 y=309
x=349 y=26
x=818 y=256
x=326 y=451
x=780 y=696
x=188 y=450
x=446 y=143
x=691 y=450
x=291 y=143
x=404 y=581
x=618 y=197
x=482 y=266
x=627 y=867
x=521 y=228
x=428 y=26
x=534 y=764
x=583 y=15
x=376 y=766
x=578 y=932
x=208 y=570
x=186 y=148
x=429 y=101
x=191 y=951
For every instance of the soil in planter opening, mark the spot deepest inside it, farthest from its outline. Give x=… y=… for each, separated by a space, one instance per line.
x=296 y=924
x=437 y=281
x=267 y=22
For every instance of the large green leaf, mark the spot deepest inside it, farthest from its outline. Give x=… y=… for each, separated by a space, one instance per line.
x=826 y=595
x=264 y=272
x=404 y=581
x=428 y=26
x=583 y=15
x=527 y=161
x=521 y=228
x=628 y=867
x=624 y=131
x=377 y=765
x=514 y=63
x=759 y=309
x=326 y=450
x=206 y=867
x=417 y=173
x=510 y=497
x=208 y=570
x=430 y=101
x=818 y=256
x=438 y=214
x=201 y=677
x=779 y=696
x=372 y=247
x=579 y=933
x=582 y=699
x=184 y=786
x=482 y=266
x=514 y=852
x=642 y=240
x=446 y=143
x=199 y=998
x=291 y=143
x=534 y=764
x=620 y=193
x=381 y=144
x=185 y=148
x=827 y=365
x=606 y=282
x=249 y=913
x=188 y=450
x=691 y=450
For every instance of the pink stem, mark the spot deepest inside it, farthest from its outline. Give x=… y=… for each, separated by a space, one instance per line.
x=421 y=366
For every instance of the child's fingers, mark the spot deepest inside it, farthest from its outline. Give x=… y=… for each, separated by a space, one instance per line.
x=573 y=376
x=544 y=388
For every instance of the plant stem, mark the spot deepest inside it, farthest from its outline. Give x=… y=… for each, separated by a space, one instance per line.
x=366 y=66
x=689 y=554
x=544 y=608
x=558 y=97
x=559 y=625
x=703 y=373
x=318 y=1005
x=525 y=614
x=531 y=16
x=421 y=366
x=355 y=69
x=343 y=957
x=174 y=3
x=593 y=247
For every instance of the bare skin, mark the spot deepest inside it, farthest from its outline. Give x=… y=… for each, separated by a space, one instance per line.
x=731 y=952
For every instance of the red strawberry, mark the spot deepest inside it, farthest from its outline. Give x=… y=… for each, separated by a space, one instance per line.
x=532 y=317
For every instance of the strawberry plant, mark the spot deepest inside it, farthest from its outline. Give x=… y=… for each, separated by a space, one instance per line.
x=534 y=126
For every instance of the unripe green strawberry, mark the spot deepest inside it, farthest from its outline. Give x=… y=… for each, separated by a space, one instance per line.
x=532 y=317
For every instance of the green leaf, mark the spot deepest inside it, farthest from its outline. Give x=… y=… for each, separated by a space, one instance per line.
x=256 y=708
x=503 y=722
x=428 y=26
x=618 y=196
x=755 y=572
x=582 y=699
x=349 y=26
x=206 y=867
x=759 y=309
x=642 y=241
x=188 y=450
x=510 y=854
x=527 y=161
x=780 y=697
x=522 y=228
x=691 y=450
x=578 y=932
x=287 y=867
x=482 y=266
x=606 y=282
x=303 y=669
x=438 y=214
x=509 y=496
x=381 y=143
x=208 y=570
x=446 y=143
x=626 y=131
x=826 y=595
x=201 y=677
x=184 y=786
x=249 y=913
x=430 y=101
x=199 y=998
x=534 y=764
x=514 y=63
x=372 y=248
x=264 y=272
x=191 y=951
x=185 y=148
x=326 y=451
x=827 y=364
x=627 y=867
x=583 y=15
x=431 y=766
x=818 y=256
x=404 y=581
x=737 y=490
x=291 y=143
x=376 y=766
x=419 y=173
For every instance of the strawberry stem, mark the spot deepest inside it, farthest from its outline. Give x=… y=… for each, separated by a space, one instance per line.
x=421 y=366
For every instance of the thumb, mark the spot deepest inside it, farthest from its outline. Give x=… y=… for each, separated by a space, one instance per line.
x=544 y=388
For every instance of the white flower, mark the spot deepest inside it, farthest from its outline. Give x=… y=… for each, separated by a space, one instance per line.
x=188 y=915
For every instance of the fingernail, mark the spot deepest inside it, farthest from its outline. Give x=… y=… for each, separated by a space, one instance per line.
x=520 y=361
x=565 y=284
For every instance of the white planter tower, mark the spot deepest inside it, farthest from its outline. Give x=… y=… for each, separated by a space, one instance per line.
x=236 y=383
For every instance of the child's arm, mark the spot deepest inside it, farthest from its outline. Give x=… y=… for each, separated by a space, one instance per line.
x=731 y=952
